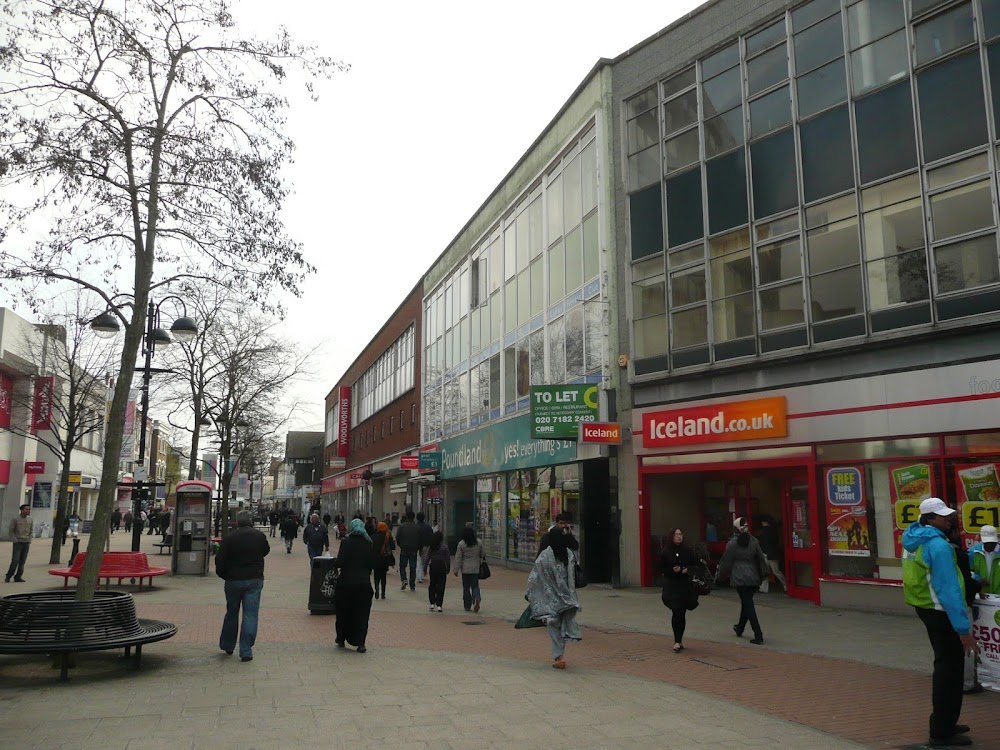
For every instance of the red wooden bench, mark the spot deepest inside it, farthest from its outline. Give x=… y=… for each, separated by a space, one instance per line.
x=118 y=565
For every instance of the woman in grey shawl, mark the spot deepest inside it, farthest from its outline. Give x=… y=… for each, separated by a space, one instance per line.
x=552 y=596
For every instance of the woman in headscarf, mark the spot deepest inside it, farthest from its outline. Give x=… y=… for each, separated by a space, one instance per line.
x=552 y=595
x=353 y=595
x=383 y=544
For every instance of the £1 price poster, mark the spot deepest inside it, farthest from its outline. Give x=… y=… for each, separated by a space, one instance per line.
x=908 y=485
x=978 y=499
x=847 y=512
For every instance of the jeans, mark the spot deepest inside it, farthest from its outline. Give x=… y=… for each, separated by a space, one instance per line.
x=748 y=613
x=245 y=593
x=410 y=559
x=949 y=671
x=470 y=589
x=18 y=559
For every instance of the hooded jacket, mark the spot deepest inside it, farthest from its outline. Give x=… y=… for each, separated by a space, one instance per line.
x=931 y=579
x=743 y=562
x=978 y=562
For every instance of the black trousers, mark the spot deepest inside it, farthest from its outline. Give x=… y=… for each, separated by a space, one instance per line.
x=748 y=612
x=949 y=672
x=678 y=622
x=439 y=579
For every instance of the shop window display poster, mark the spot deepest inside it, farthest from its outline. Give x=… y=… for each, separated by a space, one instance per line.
x=847 y=513
x=978 y=499
x=909 y=484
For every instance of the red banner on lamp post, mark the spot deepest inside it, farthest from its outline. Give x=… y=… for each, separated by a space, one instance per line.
x=41 y=414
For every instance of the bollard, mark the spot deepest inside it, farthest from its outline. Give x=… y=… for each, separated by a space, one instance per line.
x=76 y=549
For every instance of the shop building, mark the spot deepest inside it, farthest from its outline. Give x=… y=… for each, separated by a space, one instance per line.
x=808 y=225
x=520 y=298
x=373 y=419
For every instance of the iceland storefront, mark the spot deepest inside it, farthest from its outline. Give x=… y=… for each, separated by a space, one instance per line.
x=511 y=487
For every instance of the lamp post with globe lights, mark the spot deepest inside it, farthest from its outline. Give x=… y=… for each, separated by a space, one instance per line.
x=184 y=328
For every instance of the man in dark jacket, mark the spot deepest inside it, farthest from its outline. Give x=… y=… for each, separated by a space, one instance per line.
x=240 y=563
x=408 y=541
x=426 y=534
x=316 y=537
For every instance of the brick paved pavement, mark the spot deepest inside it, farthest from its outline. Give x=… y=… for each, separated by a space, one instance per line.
x=822 y=675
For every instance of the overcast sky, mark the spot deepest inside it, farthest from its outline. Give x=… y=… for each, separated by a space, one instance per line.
x=441 y=100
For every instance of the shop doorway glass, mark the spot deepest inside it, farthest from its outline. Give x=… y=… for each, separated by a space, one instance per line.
x=801 y=549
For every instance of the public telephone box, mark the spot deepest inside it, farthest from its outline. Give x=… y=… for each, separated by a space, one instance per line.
x=191 y=527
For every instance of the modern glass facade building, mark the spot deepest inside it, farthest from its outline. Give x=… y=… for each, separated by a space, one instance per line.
x=807 y=230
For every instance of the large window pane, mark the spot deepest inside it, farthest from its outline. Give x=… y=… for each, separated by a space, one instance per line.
x=510 y=305
x=822 y=88
x=872 y=19
x=553 y=206
x=678 y=258
x=643 y=131
x=886 y=141
x=536 y=353
x=773 y=175
x=958 y=171
x=993 y=60
x=648 y=293
x=766 y=37
x=588 y=163
x=720 y=61
x=574 y=343
x=689 y=327
x=967 y=265
x=834 y=246
x=726 y=177
x=991 y=17
x=643 y=170
x=557 y=350
x=574 y=259
x=680 y=112
x=684 y=217
x=894 y=229
x=770 y=112
x=650 y=336
x=509 y=374
x=836 y=294
x=809 y=13
x=572 y=194
x=591 y=254
x=523 y=368
x=962 y=210
x=767 y=70
x=819 y=44
x=537 y=273
x=687 y=286
x=641 y=102
x=725 y=132
x=678 y=82
x=557 y=273
x=779 y=262
x=593 y=314
x=941 y=34
x=879 y=63
x=781 y=306
x=731 y=266
x=827 y=156
x=646 y=222
x=680 y=151
x=721 y=93
x=897 y=280
x=523 y=298
x=733 y=318
x=952 y=117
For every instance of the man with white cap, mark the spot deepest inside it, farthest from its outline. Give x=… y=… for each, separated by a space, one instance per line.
x=933 y=584
x=982 y=559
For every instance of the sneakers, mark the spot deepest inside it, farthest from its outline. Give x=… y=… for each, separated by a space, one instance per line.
x=757 y=640
x=476 y=603
x=403 y=587
x=440 y=610
x=736 y=629
x=18 y=580
x=7 y=579
x=432 y=608
x=246 y=658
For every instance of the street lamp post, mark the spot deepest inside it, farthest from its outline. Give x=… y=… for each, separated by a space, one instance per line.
x=184 y=328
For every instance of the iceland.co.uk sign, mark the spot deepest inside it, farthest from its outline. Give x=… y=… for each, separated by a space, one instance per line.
x=715 y=423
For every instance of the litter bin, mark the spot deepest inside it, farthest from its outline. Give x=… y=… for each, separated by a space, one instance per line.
x=322 y=583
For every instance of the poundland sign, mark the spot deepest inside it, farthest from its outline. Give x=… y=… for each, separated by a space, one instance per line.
x=504 y=446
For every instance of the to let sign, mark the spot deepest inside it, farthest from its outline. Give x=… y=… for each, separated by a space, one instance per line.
x=409 y=462
x=556 y=410
x=606 y=433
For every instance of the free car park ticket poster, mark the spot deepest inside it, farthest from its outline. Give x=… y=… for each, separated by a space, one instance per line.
x=978 y=499
x=847 y=512
x=908 y=485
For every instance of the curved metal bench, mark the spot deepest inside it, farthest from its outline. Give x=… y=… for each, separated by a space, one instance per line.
x=55 y=623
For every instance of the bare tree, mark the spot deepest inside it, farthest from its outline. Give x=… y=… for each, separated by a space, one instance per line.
x=68 y=351
x=147 y=134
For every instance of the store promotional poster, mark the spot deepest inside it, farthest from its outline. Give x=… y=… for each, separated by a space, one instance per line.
x=978 y=499
x=847 y=513
x=908 y=485
x=986 y=628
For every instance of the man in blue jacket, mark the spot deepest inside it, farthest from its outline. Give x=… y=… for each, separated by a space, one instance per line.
x=933 y=585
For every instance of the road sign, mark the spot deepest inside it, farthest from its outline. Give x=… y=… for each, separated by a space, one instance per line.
x=556 y=410
x=409 y=462
x=429 y=461
x=75 y=477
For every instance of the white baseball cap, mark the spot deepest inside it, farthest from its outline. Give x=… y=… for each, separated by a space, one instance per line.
x=936 y=506
x=988 y=534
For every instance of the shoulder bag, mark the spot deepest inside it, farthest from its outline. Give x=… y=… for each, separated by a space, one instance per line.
x=484 y=570
x=579 y=577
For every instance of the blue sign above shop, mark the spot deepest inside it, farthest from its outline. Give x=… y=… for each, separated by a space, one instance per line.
x=503 y=446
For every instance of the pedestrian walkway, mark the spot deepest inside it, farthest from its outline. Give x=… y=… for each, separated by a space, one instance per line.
x=824 y=679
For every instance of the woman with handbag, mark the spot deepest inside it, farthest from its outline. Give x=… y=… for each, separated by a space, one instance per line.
x=437 y=561
x=383 y=544
x=745 y=565
x=469 y=558
x=677 y=563
x=552 y=595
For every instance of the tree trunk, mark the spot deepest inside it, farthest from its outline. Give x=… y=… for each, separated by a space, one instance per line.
x=62 y=512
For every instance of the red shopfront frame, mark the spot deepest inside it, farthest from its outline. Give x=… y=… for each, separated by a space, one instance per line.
x=738 y=471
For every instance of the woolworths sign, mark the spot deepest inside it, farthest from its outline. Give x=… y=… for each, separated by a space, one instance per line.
x=504 y=446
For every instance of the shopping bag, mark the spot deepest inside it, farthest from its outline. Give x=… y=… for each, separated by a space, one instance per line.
x=525 y=621
x=484 y=571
